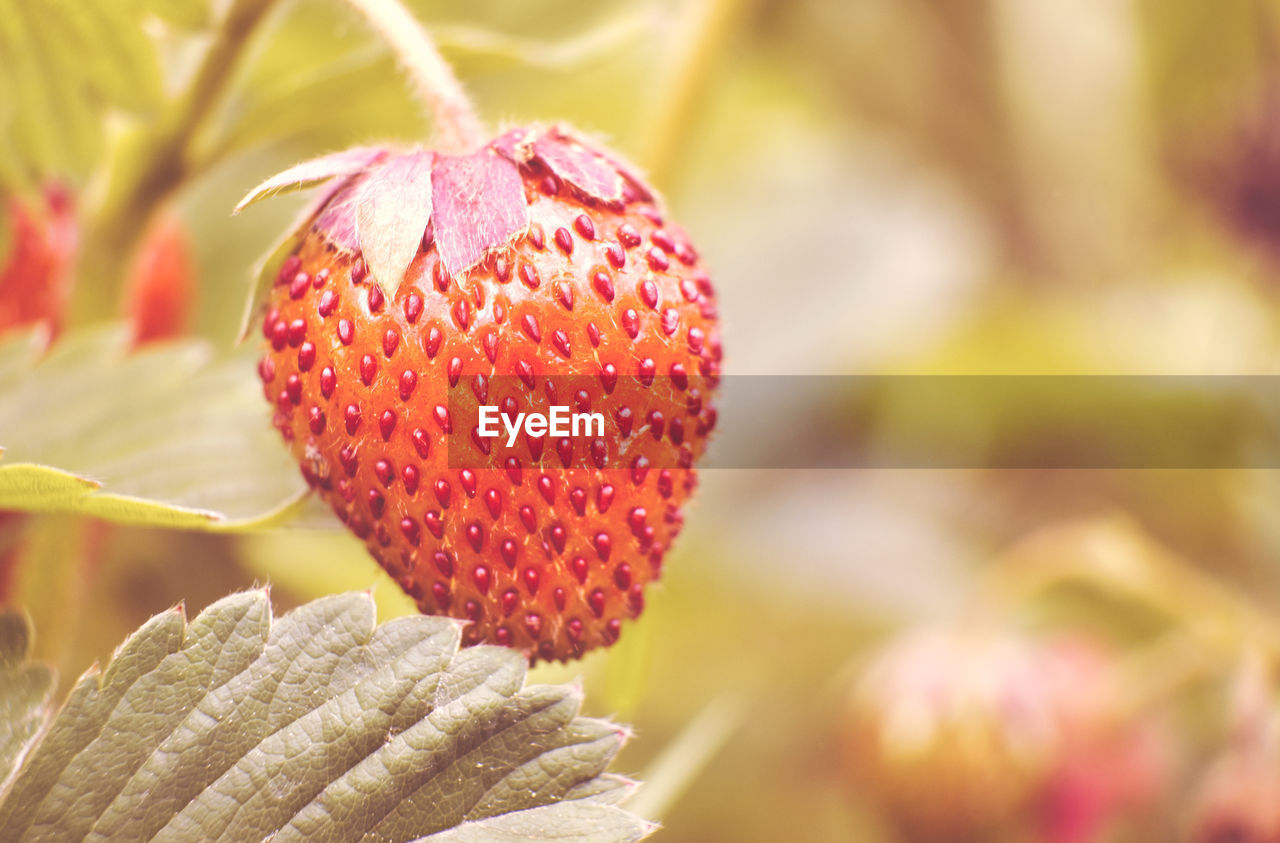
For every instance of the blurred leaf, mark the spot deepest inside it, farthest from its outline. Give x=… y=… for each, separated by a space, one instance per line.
x=103 y=47
x=559 y=54
x=25 y=690
x=1203 y=60
x=53 y=582
x=162 y=436
x=336 y=561
x=298 y=101
x=13 y=174
x=630 y=665
x=63 y=65
x=189 y=14
x=6 y=220
x=321 y=82
x=320 y=725
x=45 y=115
x=294 y=89
x=684 y=757
x=1119 y=562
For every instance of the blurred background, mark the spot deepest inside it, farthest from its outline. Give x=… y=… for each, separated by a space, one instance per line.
x=880 y=187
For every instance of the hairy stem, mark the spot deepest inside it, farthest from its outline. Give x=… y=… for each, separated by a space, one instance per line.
x=153 y=163
x=459 y=127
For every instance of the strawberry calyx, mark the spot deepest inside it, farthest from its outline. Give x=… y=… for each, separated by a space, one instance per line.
x=473 y=204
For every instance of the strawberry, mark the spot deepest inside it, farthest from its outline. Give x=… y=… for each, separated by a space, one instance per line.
x=34 y=276
x=161 y=284
x=419 y=277
x=961 y=733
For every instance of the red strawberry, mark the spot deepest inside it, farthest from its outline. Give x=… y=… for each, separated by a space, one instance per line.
x=34 y=276
x=161 y=284
x=537 y=255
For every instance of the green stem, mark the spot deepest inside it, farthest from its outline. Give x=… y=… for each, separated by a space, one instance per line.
x=459 y=128
x=1215 y=614
x=704 y=33
x=153 y=164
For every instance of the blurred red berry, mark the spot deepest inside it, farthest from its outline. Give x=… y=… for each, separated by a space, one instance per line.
x=161 y=285
x=1239 y=800
x=959 y=735
x=1112 y=764
x=35 y=275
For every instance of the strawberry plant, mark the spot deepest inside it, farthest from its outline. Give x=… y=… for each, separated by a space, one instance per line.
x=305 y=301
x=479 y=257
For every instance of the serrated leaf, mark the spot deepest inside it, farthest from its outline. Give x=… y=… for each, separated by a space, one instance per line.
x=25 y=691
x=567 y=822
x=319 y=725
x=164 y=436
x=392 y=215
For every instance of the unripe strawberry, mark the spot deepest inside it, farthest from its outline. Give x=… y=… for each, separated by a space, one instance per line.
x=960 y=735
x=161 y=284
x=35 y=274
x=421 y=275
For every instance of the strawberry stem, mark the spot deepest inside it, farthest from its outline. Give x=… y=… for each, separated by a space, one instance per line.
x=459 y=128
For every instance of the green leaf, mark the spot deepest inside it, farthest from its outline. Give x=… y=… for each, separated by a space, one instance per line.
x=63 y=65
x=564 y=821
x=105 y=42
x=187 y=14
x=563 y=54
x=162 y=436
x=294 y=99
x=25 y=691
x=317 y=725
